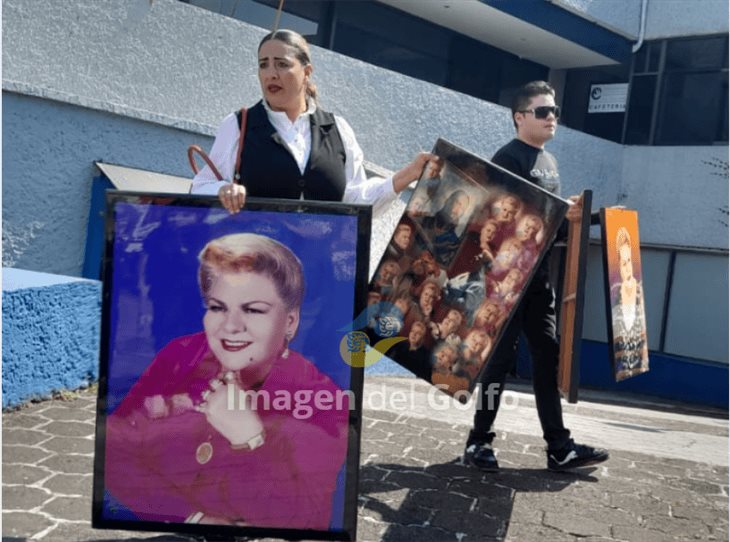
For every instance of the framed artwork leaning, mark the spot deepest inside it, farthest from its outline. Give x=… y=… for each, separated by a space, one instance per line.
x=571 y=304
x=456 y=267
x=225 y=407
x=627 y=343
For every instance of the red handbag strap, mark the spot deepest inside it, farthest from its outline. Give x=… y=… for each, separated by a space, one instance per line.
x=196 y=149
x=192 y=150
x=237 y=171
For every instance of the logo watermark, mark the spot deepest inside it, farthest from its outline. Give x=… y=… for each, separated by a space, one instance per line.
x=304 y=403
x=385 y=320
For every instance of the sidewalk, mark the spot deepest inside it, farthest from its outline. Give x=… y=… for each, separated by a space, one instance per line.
x=667 y=478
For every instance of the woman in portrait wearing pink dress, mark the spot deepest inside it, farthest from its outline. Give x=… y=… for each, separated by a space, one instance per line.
x=183 y=446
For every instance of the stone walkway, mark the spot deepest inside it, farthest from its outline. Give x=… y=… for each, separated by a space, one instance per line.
x=412 y=486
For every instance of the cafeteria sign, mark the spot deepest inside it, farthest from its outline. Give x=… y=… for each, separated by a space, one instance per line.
x=608 y=98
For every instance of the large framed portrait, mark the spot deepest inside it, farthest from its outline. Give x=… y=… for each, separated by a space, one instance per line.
x=225 y=405
x=456 y=267
x=627 y=343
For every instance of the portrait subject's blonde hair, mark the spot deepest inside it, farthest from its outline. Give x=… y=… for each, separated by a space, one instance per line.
x=253 y=253
x=622 y=238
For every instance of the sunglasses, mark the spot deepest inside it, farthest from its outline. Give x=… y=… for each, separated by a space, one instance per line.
x=543 y=111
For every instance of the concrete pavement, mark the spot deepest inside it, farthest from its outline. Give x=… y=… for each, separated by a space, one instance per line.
x=667 y=478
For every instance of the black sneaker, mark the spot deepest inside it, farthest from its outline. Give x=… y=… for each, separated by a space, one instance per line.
x=481 y=455
x=574 y=455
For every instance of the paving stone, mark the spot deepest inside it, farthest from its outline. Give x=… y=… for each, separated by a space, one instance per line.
x=368 y=487
x=23 y=474
x=455 y=435
x=429 y=455
x=28 y=455
x=709 y=473
x=452 y=469
x=69 y=508
x=379 y=447
x=466 y=537
x=394 y=499
x=699 y=486
x=402 y=440
x=640 y=504
x=23 y=497
x=577 y=525
x=370 y=531
x=441 y=500
x=70 y=429
x=23 y=524
x=374 y=415
x=68 y=445
x=66 y=532
x=69 y=484
x=32 y=407
x=374 y=434
x=69 y=464
x=522 y=532
x=416 y=480
x=693 y=512
x=528 y=481
x=483 y=486
x=23 y=436
x=26 y=421
x=399 y=533
x=372 y=473
x=407 y=513
x=80 y=402
x=474 y=524
x=535 y=505
x=624 y=532
x=64 y=413
x=393 y=462
x=677 y=527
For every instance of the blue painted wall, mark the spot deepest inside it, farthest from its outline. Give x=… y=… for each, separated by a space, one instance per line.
x=669 y=377
x=50 y=334
x=49 y=149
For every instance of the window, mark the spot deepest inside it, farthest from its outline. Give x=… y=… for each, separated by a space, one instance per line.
x=679 y=93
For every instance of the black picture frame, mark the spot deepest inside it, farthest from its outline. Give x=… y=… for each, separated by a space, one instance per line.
x=332 y=242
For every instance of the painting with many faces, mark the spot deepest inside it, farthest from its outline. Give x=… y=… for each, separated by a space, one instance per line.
x=225 y=404
x=627 y=343
x=456 y=268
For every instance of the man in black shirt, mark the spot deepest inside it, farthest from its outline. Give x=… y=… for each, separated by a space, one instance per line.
x=535 y=117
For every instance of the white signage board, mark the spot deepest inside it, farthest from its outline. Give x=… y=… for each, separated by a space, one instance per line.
x=608 y=98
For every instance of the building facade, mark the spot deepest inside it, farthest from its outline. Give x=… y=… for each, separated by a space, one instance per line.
x=642 y=83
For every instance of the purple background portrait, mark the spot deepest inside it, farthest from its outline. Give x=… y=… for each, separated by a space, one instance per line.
x=155 y=296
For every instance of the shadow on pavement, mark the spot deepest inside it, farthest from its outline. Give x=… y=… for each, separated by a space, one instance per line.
x=441 y=500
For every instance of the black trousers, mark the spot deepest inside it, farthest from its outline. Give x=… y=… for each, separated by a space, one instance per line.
x=535 y=317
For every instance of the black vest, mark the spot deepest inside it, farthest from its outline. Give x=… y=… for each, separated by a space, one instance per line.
x=268 y=169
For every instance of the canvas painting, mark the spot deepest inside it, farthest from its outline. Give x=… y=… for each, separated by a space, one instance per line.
x=456 y=266
x=225 y=406
x=628 y=346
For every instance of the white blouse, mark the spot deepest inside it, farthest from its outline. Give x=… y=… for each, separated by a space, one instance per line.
x=297 y=136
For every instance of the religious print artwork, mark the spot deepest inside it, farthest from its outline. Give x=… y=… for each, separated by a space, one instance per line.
x=627 y=342
x=456 y=267
x=225 y=406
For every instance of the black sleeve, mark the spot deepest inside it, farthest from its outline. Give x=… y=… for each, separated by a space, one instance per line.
x=508 y=162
